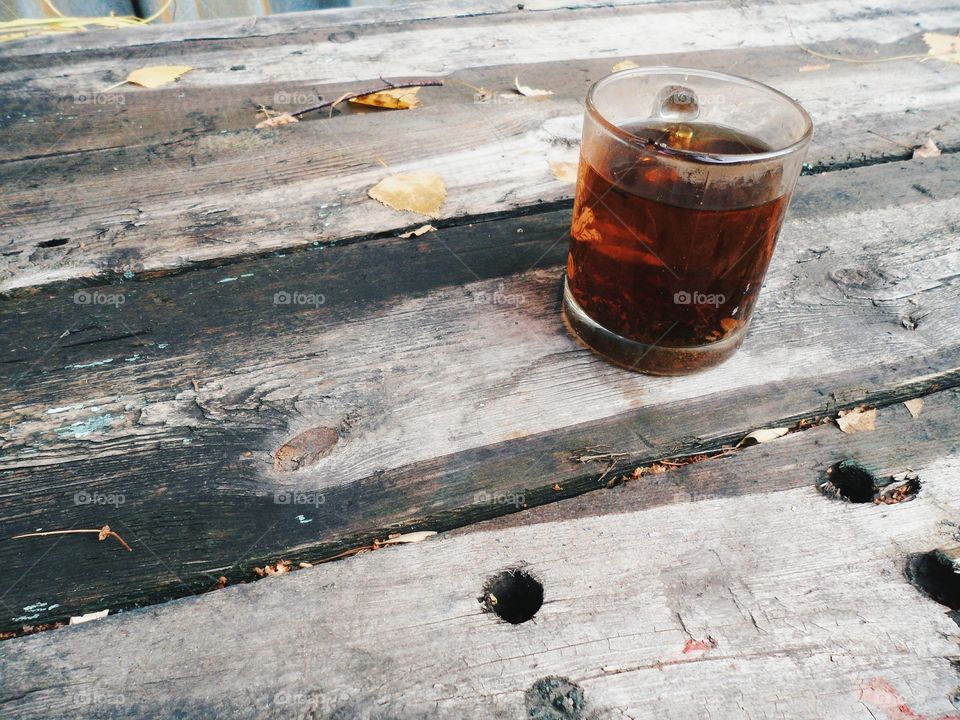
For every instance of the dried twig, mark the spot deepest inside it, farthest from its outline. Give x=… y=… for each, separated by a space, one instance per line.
x=350 y=95
x=102 y=534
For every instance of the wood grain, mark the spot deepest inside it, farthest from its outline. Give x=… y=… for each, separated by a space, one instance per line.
x=136 y=181
x=442 y=367
x=716 y=606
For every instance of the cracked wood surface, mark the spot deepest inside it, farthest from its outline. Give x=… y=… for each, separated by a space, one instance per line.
x=176 y=176
x=776 y=602
x=238 y=430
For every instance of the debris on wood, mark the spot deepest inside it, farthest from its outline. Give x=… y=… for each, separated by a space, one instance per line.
x=154 y=76
x=914 y=406
x=99 y=614
x=422 y=230
x=276 y=121
x=899 y=490
x=419 y=192
x=943 y=47
x=928 y=150
x=700 y=645
x=858 y=419
x=564 y=171
x=556 y=487
x=388 y=86
x=278 y=568
x=762 y=436
x=529 y=91
x=102 y=534
x=392 y=99
x=405 y=538
x=221 y=583
x=624 y=65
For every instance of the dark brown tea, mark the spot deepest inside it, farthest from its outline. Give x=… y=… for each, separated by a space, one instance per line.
x=661 y=267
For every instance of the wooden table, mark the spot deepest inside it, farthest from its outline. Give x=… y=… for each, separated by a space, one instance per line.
x=152 y=382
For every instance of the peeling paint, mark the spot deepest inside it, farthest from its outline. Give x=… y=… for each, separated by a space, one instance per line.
x=82 y=428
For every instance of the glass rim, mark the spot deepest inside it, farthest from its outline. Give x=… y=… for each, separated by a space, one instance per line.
x=692 y=155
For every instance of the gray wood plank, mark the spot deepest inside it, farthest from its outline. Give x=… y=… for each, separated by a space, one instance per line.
x=441 y=398
x=775 y=604
x=112 y=191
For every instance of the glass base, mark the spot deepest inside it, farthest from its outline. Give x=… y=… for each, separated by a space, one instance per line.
x=640 y=357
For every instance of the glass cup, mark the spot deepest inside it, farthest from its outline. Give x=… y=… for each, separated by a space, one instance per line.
x=683 y=184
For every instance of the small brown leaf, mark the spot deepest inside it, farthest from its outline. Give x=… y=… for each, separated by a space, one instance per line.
x=157 y=75
x=529 y=91
x=423 y=229
x=104 y=533
x=277 y=121
x=857 y=420
x=394 y=99
x=928 y=150
x=914 y=406
x=762 y=436
x=419 y=192
x=413 y=537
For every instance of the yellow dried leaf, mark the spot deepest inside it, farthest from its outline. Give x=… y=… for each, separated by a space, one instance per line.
x=914 y=406
x=419 y=192
x=413 y=537
x=529 y=91
x=418 y=232
x=943 y=47
x=157 y=75
x=624 y=65
x=277 y=120
x=857 y=420
x=395 y=99
x=764 y=435
x=565 y=171
x=814 y=68
x=928 y=150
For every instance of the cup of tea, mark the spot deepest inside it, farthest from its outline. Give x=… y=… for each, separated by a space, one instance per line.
x=683 y=183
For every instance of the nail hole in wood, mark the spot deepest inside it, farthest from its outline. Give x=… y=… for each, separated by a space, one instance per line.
x=849 y=480
x=55 y=242
x=514 y=595
x=934 y=575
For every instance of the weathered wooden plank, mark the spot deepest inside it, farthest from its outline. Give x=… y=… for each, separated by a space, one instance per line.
x=78 y=208
x=772 y=604
x=442 y=394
